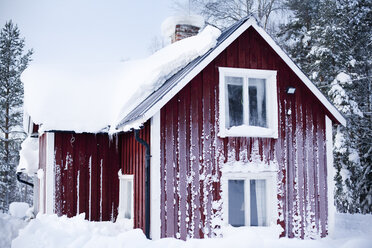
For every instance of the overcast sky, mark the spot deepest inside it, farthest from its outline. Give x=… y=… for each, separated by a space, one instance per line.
x=87 y=30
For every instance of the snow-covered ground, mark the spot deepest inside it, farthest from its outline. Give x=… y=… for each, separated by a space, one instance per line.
x=11 y=223
x=351 y=231
x=9 y=227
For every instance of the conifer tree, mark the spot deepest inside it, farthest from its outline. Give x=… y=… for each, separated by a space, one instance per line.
x=333 y=44
x=13 y=61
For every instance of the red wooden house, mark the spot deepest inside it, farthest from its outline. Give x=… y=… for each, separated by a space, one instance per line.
x=238 y=136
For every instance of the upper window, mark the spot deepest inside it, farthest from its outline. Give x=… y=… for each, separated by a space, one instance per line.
x=248 y=103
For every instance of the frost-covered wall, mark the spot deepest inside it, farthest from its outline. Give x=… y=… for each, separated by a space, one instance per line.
x=86 y=169
x=86 y=173
x=132 y=162
x=192 y=154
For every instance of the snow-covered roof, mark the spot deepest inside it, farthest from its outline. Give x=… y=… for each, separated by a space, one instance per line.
x=29 y=156
x=147 y=108
x=92 y=97
x=118 y=97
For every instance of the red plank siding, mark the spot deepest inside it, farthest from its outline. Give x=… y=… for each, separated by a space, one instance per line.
x=86 y=175
x=132 y=162
x=191 y=149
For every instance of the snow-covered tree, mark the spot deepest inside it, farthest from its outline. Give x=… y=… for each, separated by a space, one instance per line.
x=332 y=42
x=224 y=13
x=13 y=61
x=346 y=148
x=295 y=36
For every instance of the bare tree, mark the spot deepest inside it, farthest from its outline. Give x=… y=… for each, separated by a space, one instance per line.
x=223 y=13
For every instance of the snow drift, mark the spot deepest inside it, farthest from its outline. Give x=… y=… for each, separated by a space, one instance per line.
x=352 y=231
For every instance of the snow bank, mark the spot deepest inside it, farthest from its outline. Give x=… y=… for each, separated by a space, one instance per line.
x=29 y=156
x=169 y=25
x=18 y=209
x=9 y=227
x=349 y=225
x=52 y=231
x=89 y=98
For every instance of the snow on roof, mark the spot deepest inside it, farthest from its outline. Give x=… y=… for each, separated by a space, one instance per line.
x=29 y=156
x=158 y=99
x=169 y=25
x=91 y=97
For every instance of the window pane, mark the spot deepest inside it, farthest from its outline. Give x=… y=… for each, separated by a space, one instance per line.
x=236 y=203
x=235 y=101
x=257 y=102
x=128 y=207
x=258 y=202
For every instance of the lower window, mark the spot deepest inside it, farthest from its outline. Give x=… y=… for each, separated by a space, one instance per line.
x=126 y=196
x=250 y=200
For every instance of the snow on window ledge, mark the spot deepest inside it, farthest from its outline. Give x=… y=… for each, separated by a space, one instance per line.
x=242 y=167
x=248 y=131
x=270 y=99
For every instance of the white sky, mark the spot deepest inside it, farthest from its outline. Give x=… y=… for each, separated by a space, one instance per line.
x=87 y=30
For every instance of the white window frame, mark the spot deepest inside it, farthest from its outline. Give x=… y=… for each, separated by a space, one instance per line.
x=123 y=179
x=271 y=103
x=271 y=195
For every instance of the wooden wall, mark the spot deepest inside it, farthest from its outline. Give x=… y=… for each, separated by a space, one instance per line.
x=87 y=181
x=87 y=168
x=132 y=162
x=192 y=153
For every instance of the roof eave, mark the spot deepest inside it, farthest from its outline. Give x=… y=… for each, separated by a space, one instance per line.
x=249 y=22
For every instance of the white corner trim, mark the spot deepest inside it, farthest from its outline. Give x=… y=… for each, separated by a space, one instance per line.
x=330 y=176
x=50 y=173
x=189 y=76
x=155 y=177
x=41 y=177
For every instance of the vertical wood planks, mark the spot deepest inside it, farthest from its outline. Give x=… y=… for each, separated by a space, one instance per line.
x=132 y=162
x=192 y=155
x=299 y=150
x=82 y=162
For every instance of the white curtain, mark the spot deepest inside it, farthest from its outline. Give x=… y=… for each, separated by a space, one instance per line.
x=259 y=84
x=260 y=189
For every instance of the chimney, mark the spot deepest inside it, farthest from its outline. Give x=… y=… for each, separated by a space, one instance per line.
x=181 y=27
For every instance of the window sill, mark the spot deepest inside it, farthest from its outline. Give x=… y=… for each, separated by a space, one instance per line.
x=249 y=131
